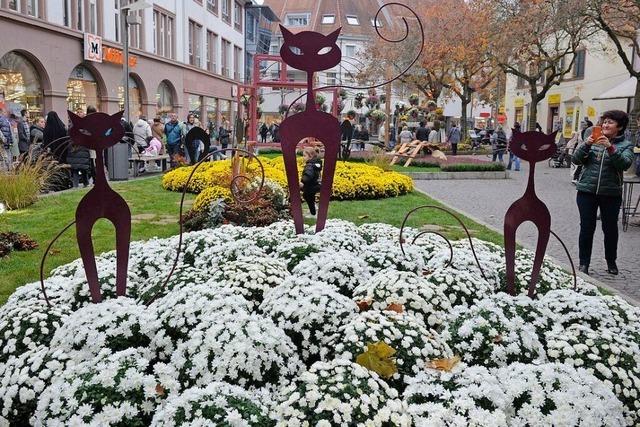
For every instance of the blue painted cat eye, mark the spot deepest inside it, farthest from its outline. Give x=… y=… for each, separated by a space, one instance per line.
x=108 y=132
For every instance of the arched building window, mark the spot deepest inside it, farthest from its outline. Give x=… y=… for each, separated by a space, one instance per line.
x=20 y=85
x=164 y=99
x=135 y=98
x=82 y=89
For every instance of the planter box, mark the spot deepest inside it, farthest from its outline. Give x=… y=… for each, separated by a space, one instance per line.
x=458 y=175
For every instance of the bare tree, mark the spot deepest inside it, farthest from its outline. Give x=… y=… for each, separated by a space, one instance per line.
x=537 y=40
x=620 y=20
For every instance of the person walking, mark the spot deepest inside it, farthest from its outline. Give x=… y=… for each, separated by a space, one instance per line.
x=498 y=144
x=175 y=132
x=453 y=136
x=310 y=182
x=604 y=158
x=192 y=148
x=513 y=159
x=364 y=137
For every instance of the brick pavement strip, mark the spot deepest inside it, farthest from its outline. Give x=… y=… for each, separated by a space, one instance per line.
x=486 y=201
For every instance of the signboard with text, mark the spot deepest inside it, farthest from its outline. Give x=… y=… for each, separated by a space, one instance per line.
x=92 y=47
x=115 y=56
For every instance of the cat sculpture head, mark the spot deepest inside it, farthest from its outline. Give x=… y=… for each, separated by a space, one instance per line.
x=310 y=51
x=96 y=131
x=533 y=146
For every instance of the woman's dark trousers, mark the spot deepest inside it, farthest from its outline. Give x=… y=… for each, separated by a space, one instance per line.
x=588 y=205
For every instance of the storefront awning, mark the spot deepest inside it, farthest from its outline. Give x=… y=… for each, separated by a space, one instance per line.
x=626 y=89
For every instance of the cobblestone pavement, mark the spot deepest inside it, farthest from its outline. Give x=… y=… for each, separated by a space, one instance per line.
x=488 y=200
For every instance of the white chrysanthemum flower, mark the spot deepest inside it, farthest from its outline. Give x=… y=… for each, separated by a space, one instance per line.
x=115 y=324
x=462 y=287
x=416 y=295
x=309 y=313
x=245 y=350
x=608 y=355
x=23 y=378
x=499 y=330
x=112 y=389
x=251 y=276
x=340 y=269
x=517 y=394
x=28 y=326
x=334 y=393
x=216 y=404
x=414 y=344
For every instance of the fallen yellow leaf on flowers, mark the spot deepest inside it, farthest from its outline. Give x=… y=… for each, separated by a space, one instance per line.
x=378 y=358
x=446 y=364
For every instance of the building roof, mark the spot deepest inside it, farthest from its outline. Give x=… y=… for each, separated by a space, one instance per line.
x=342 y=10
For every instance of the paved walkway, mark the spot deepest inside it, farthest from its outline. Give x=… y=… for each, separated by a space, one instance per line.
x=488 y=200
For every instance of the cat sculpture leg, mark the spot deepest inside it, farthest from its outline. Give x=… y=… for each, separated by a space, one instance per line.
x=110 y=206
x=331 y=151
x=518 y=213
x=291 y=169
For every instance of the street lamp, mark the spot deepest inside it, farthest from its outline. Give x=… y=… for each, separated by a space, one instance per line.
x=125 y=21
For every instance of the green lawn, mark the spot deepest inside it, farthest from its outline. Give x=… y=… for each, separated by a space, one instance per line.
x=155 y=213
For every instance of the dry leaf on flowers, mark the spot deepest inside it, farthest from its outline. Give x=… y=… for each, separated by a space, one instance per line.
x=446 y=364
x=160 y=391
x=378 y=358
x=363 y=305
x=398 y=308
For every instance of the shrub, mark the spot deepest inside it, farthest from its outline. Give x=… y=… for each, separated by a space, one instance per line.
x=21 y=185
x=15 y=241
x=473 y=167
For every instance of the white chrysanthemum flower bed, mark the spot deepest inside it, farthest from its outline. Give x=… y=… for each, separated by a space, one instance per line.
x=260 y=327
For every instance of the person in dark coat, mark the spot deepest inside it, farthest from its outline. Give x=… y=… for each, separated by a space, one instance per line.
x=54 y=137
x=422 y=133
x=79 y=161
x=311 y=178
x=264 y=130
x=23 y=132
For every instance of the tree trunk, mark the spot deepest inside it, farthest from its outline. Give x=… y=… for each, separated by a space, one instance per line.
x=635 y=112
x=464 y=100
x=533 y=107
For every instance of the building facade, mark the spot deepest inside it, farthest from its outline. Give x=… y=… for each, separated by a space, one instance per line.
x=186 y=56
x=597 y=68
x=355 y=18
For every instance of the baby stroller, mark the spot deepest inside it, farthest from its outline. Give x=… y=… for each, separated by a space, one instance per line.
x=562 y=157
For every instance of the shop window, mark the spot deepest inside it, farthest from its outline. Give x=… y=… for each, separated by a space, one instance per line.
x=82 y=89
x=211 y=110
x=20 y=86
x=135 y=98
x=225 y=110
x=195 y=105
x=164 y=99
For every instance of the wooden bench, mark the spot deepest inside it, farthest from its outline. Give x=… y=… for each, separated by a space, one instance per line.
x=136 y=160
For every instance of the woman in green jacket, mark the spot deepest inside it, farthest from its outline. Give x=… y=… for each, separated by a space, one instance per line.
x=599 y=186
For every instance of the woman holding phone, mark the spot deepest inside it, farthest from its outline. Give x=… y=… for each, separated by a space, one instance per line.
x=604 y=156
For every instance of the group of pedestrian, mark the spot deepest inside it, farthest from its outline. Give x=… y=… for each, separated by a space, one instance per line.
x=265 y=130
x=17 y=134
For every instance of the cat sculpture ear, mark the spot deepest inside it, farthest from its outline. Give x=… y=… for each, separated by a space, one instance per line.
x=118 y=115
x=286 y=34
x=333 y=37
x=74 y=117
